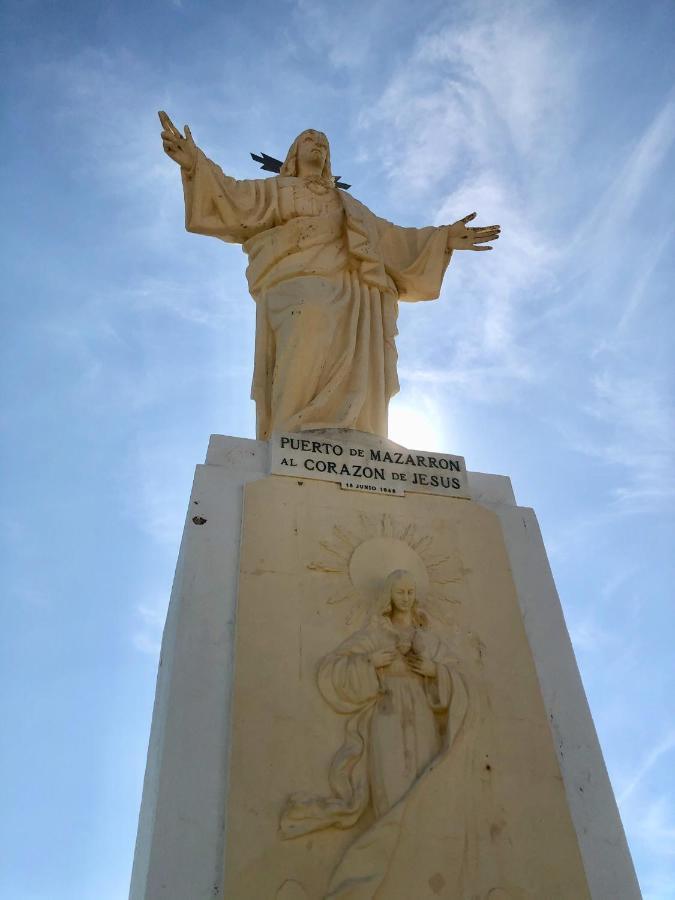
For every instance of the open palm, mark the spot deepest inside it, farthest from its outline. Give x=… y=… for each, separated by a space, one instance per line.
x=463 y=238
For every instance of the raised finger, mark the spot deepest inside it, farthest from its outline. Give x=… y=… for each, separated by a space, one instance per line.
x=469 y=217
x=166 y=121
x=188 y=133
x=480 y=248
x=168 y=124
x=170 y=136
x=484 y=238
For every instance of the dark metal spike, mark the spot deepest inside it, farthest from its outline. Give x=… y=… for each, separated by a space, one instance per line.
x=271 y=164
x=267 y=163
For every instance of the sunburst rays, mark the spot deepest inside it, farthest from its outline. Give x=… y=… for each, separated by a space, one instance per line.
x=355 y=558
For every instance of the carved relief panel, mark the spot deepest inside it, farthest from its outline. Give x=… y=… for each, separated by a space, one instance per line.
x=389 y=737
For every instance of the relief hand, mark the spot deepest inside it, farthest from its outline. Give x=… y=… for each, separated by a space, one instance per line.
x=382 y=658
x=462 y=238
x=421 y=666
x=182 y=150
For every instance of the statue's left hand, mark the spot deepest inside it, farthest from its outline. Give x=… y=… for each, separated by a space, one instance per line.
x=462 y=238
x=421 y=666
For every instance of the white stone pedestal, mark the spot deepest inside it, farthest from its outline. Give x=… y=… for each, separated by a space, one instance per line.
x=180 y=849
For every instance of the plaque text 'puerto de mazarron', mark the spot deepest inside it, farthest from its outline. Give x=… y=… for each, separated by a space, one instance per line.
x=376 y=467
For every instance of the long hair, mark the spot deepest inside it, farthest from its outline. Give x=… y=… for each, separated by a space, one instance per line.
x=385 y=606
x=290 y=165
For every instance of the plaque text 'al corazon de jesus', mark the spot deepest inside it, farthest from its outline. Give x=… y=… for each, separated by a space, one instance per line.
x=365 y=465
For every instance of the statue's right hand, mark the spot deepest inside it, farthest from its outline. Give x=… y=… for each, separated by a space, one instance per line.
x=381 y=658
x=182 y=150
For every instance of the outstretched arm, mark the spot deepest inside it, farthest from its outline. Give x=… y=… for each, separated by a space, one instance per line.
x=216 y=204
x=462 y=238
x=181 y=150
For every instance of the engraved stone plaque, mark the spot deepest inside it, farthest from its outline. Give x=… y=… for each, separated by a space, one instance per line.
x=363 y=462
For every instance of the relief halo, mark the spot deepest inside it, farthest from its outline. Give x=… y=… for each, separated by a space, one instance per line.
x=374 y=559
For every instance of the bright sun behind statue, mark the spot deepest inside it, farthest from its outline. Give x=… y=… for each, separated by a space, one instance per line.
x=416 y=426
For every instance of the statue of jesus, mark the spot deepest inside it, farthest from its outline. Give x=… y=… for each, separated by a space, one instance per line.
x=326 y=275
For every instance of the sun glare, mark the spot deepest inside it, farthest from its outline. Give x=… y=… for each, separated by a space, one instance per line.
x=417 y=427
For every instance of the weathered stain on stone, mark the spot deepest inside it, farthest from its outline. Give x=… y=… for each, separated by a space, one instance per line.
x=437 y=883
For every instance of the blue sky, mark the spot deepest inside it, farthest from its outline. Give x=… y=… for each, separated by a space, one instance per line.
x=129 y=341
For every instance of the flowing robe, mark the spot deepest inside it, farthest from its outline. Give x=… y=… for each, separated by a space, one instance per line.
x=392 y=756
x=326 y=275
x=397 y=725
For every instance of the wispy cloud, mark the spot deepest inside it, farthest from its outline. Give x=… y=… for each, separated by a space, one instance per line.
x=97 y=100
x=665 y=746
x=459 y=138
x=589 y=636
x=332 y=31
x=158 y=482
x=624 y=197
x=636 y=295
x=451 y=109
x=596 y=631
x=638 y=419
x=148 y=626
x=448 y=110
x=652 y=834
x=203 y=303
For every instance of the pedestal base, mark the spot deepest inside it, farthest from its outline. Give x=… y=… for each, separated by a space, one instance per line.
x=226 y=752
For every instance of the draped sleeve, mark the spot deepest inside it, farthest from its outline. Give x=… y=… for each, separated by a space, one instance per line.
x=223 y=207
x=414 y=258
x=347 y=678
x=349 y=683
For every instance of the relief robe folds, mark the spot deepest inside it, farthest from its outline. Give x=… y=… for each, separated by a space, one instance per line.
x=326 y=275
x=397 y=724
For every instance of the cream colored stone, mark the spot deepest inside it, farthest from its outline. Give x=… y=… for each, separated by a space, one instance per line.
x=396 y=683
x=181 y=834
x=468 y=803
x=326 y=275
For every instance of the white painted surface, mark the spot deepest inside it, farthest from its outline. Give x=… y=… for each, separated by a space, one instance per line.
x=603 y=845
x=180 y=844
x=179 y=847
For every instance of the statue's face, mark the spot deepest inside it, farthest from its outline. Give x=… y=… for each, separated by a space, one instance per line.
x=403 y=593
x=312 y=152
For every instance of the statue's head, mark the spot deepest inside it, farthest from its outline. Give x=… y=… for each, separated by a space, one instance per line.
x=399 y=592
x=309 y=154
